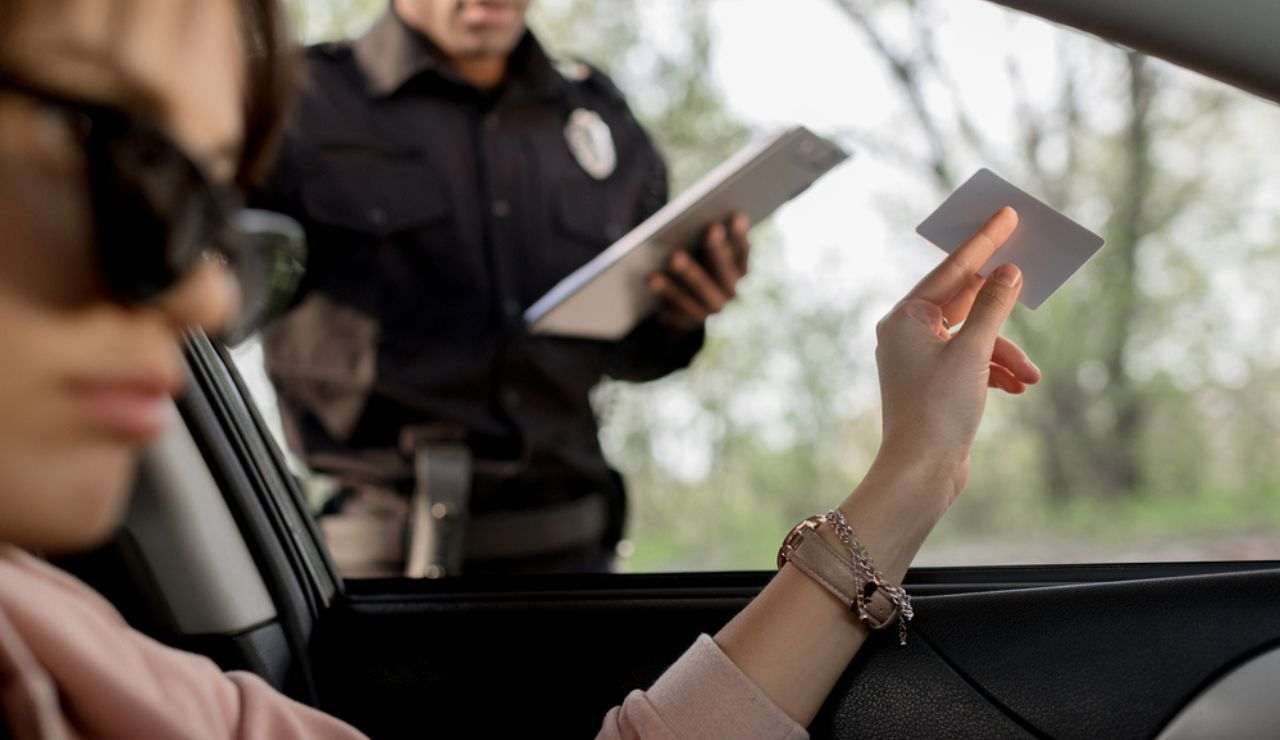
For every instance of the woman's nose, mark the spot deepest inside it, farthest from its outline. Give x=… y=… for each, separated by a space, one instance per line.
x=208 y=297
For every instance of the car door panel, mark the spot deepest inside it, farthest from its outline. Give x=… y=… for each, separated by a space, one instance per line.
x=895 y=691
x=1109 y=660
x=987 y=658
x=1236 y=47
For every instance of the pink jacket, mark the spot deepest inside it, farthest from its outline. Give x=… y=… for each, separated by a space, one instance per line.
x=70 y=667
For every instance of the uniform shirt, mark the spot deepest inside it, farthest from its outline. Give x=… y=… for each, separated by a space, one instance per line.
x=435 y=214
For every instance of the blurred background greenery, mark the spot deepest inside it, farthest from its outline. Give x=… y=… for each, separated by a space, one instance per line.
x=1156 y=432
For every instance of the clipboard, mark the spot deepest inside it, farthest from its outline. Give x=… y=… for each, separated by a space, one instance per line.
x=607 y=297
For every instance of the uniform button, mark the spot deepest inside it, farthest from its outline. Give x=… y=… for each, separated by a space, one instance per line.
x=492 y=122
x=377 y=216
x=511 y=307
x=501 y=208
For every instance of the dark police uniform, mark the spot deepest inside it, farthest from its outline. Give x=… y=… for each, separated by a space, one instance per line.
x=435 y=214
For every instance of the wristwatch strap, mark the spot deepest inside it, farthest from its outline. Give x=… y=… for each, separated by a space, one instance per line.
x=811 y=554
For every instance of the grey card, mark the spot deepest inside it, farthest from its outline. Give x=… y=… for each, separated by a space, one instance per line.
x=1047 y=246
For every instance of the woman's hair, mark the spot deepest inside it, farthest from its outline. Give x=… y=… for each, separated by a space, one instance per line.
x=273 y=63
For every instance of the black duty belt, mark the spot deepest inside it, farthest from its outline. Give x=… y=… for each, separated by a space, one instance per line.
x=371 y=535
x=432 y=532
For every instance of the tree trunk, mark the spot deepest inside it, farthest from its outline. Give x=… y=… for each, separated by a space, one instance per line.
x=1117 y=449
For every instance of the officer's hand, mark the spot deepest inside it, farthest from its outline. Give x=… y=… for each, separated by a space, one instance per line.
x=692 y=291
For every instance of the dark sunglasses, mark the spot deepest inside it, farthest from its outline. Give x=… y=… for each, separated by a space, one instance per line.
x=157 y=215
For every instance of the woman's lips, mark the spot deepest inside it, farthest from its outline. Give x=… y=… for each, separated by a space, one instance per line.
x=136 y=410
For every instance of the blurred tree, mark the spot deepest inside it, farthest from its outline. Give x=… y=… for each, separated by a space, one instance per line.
x=1092 y=412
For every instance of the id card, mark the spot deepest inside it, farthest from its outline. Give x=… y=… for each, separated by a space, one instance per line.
x=1047 y=246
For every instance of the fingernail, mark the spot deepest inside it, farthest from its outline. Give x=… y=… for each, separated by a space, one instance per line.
x=1007 y=275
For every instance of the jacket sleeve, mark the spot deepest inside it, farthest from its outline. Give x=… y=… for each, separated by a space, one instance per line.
x=262 y=712
x=112 y=681
x=704 y=696
x=652 y=350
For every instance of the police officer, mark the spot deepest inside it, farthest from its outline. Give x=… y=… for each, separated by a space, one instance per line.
x=448 y=173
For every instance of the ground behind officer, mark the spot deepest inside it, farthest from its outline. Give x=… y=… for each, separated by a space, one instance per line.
x=448 y=173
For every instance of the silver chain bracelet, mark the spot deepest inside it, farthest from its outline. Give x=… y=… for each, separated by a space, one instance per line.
x=865 y=573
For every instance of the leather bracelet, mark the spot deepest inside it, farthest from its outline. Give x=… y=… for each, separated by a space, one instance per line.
x=811 y=554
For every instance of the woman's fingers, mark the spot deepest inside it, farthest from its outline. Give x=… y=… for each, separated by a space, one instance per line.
x=1012 y=357
x=991 y=307
x=957 y=309
x=917 y=314
x=949 y=279
x=1000 y=377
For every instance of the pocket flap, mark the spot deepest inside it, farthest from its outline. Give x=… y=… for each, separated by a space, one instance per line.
x=374 y=193
x=584 y=216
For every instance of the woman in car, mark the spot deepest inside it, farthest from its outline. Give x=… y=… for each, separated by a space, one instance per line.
x=124 y=126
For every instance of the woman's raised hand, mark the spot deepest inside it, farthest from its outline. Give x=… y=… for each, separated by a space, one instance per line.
x=795 y=640
x=934 y=376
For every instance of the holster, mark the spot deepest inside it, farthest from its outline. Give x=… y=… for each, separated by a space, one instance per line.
x=439 y=507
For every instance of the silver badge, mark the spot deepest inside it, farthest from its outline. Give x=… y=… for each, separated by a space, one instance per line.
x=591 y=142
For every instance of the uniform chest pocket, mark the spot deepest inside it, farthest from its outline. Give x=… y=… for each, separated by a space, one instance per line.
x=382 y=234
x=377 y=194
x=592 y=215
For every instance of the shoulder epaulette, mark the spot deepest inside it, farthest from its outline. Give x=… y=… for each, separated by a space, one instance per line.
x=589 y=77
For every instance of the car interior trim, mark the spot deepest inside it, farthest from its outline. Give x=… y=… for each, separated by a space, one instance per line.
x=1241 y=703
x=190 y=543
x=1234 y=43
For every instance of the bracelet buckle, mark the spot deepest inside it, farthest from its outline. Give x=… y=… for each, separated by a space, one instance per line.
x=852 y=579
x=868 y=615
x=796 y=534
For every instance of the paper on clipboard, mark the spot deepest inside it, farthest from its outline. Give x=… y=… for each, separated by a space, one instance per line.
x=607 y=297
